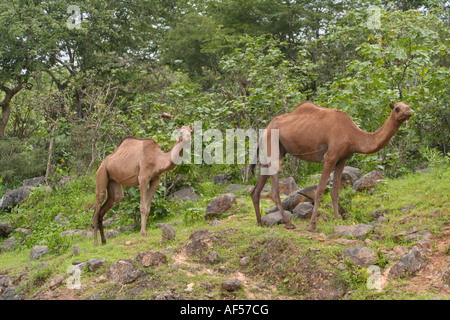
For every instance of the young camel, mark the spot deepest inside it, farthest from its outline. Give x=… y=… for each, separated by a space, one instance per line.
x=135 y=162
x=317 y=134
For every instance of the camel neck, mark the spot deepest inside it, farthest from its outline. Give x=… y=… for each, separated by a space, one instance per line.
x=173 y=157
x=375 y=141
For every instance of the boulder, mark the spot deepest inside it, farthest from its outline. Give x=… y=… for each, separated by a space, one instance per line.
x=5 y=229
x=231 y=285
x=287 y=186
x=213 y=257
x=14 y=197
x=34 y=182
x=124 y=271
x=396 y=252
x=94 y=264
x=38 y=251
x=186 y=194
x=168 y=232
x=360 y=255
x=8 y=244
x=220 y=204
x=358 y=231
x=409 y=264
x=303 y=210
x=274 y=218
x=368 y=181
x=221 y=179
x=151 y=258
x=349 y=176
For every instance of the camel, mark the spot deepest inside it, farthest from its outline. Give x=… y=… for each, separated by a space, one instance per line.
x=135 y=162
x=328 y=136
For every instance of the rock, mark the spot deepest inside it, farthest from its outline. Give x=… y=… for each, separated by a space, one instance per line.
x=231 y=285
x=94 y=264
x=221 y=204
x=10 y=293
x=56 y=281
x=405 y=209
x=124 y=271
x=75 y=250
x=244 y=261
x=396 y=252
x=378 y=213
x=6 y=281
x=360 y=255
x=274 y=218
x=186 y=194
x=151 y=258
x=368 y=181
x=409 y=264
x=111 y=233
x=358 y=231
x=5 y=229
x=23 y=230
x=287 y=186
x=215 y=223
x=291 y=201
x=349 y=176
x=8 y=244
x=435 y=213
x=425 y=246
x=63 y=181
x=14 y=197
x=213 y=257
x=168 y=233
x=38 y=251
x=303 y=210
x=34 y=182
x=61 y=220
x=221 y=179
x=420 y=235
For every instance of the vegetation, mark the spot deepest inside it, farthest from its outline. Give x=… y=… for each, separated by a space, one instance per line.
x=74 y=82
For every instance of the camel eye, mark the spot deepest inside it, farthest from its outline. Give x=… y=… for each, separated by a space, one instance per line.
x=397 y=109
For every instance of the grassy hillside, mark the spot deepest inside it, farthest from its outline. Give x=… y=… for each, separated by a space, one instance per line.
x=270 y=262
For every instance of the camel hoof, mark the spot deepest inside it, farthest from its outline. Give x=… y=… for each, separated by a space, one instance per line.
x=289 y=226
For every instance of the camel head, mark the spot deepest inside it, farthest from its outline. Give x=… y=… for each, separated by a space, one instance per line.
x=184 y=133
x=400 y=111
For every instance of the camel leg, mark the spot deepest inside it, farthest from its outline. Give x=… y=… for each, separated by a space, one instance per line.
x=100 y=196
x=336 y=186
x=115 y=195
x=146 y=202
x=327 y=168
x=275 y=194
x=256 y=194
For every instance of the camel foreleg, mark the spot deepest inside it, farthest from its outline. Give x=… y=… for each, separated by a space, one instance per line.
x=146 y=202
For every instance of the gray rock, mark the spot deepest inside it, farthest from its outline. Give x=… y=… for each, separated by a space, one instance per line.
x=6 y=281
x=291 y=201
x=215 y=223
x=244 y=261
x=274 y=218
x=75 y=250
x=221 y=204
x=303 y=210
x=56 y=281
x=287 y=186
x=5 y=229
x=38 y=251
x=61 y=220
x=94 y=264
x=221 y=179
x=360 y=255
x=368 y=181
x=11 y=293
x=151 y=258
x=34 y=182
x=14 y=197
x=124 y=271
x=358 y=231
x=420 y=235
x=409 y=264
x=168 y=232
x=231 y=285
x=405 y=209
x=349 y=176
x=8 y=244
x=396 y=252
x=213 y=257
x=186 y=194
x=111 y=233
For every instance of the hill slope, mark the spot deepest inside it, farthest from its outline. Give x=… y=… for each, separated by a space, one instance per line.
x=232 y=258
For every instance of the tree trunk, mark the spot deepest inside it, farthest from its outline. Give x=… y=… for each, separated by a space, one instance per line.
x=50 y=152
x=6 y=105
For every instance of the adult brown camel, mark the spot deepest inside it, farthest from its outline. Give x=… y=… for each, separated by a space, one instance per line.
x=135 y=162
x=329 y=136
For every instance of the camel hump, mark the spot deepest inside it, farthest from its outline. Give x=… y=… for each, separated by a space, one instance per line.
x=137 y=139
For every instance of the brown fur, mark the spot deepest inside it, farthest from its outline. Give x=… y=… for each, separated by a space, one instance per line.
x=330 y=136
x=135 y=162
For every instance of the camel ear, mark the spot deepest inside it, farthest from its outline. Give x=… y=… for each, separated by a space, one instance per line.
x=391 y=105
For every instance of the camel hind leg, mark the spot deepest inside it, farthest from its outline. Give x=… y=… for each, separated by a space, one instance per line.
x=115 y=195
x=100 y=196
x=275 y=194
x=256 y=195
